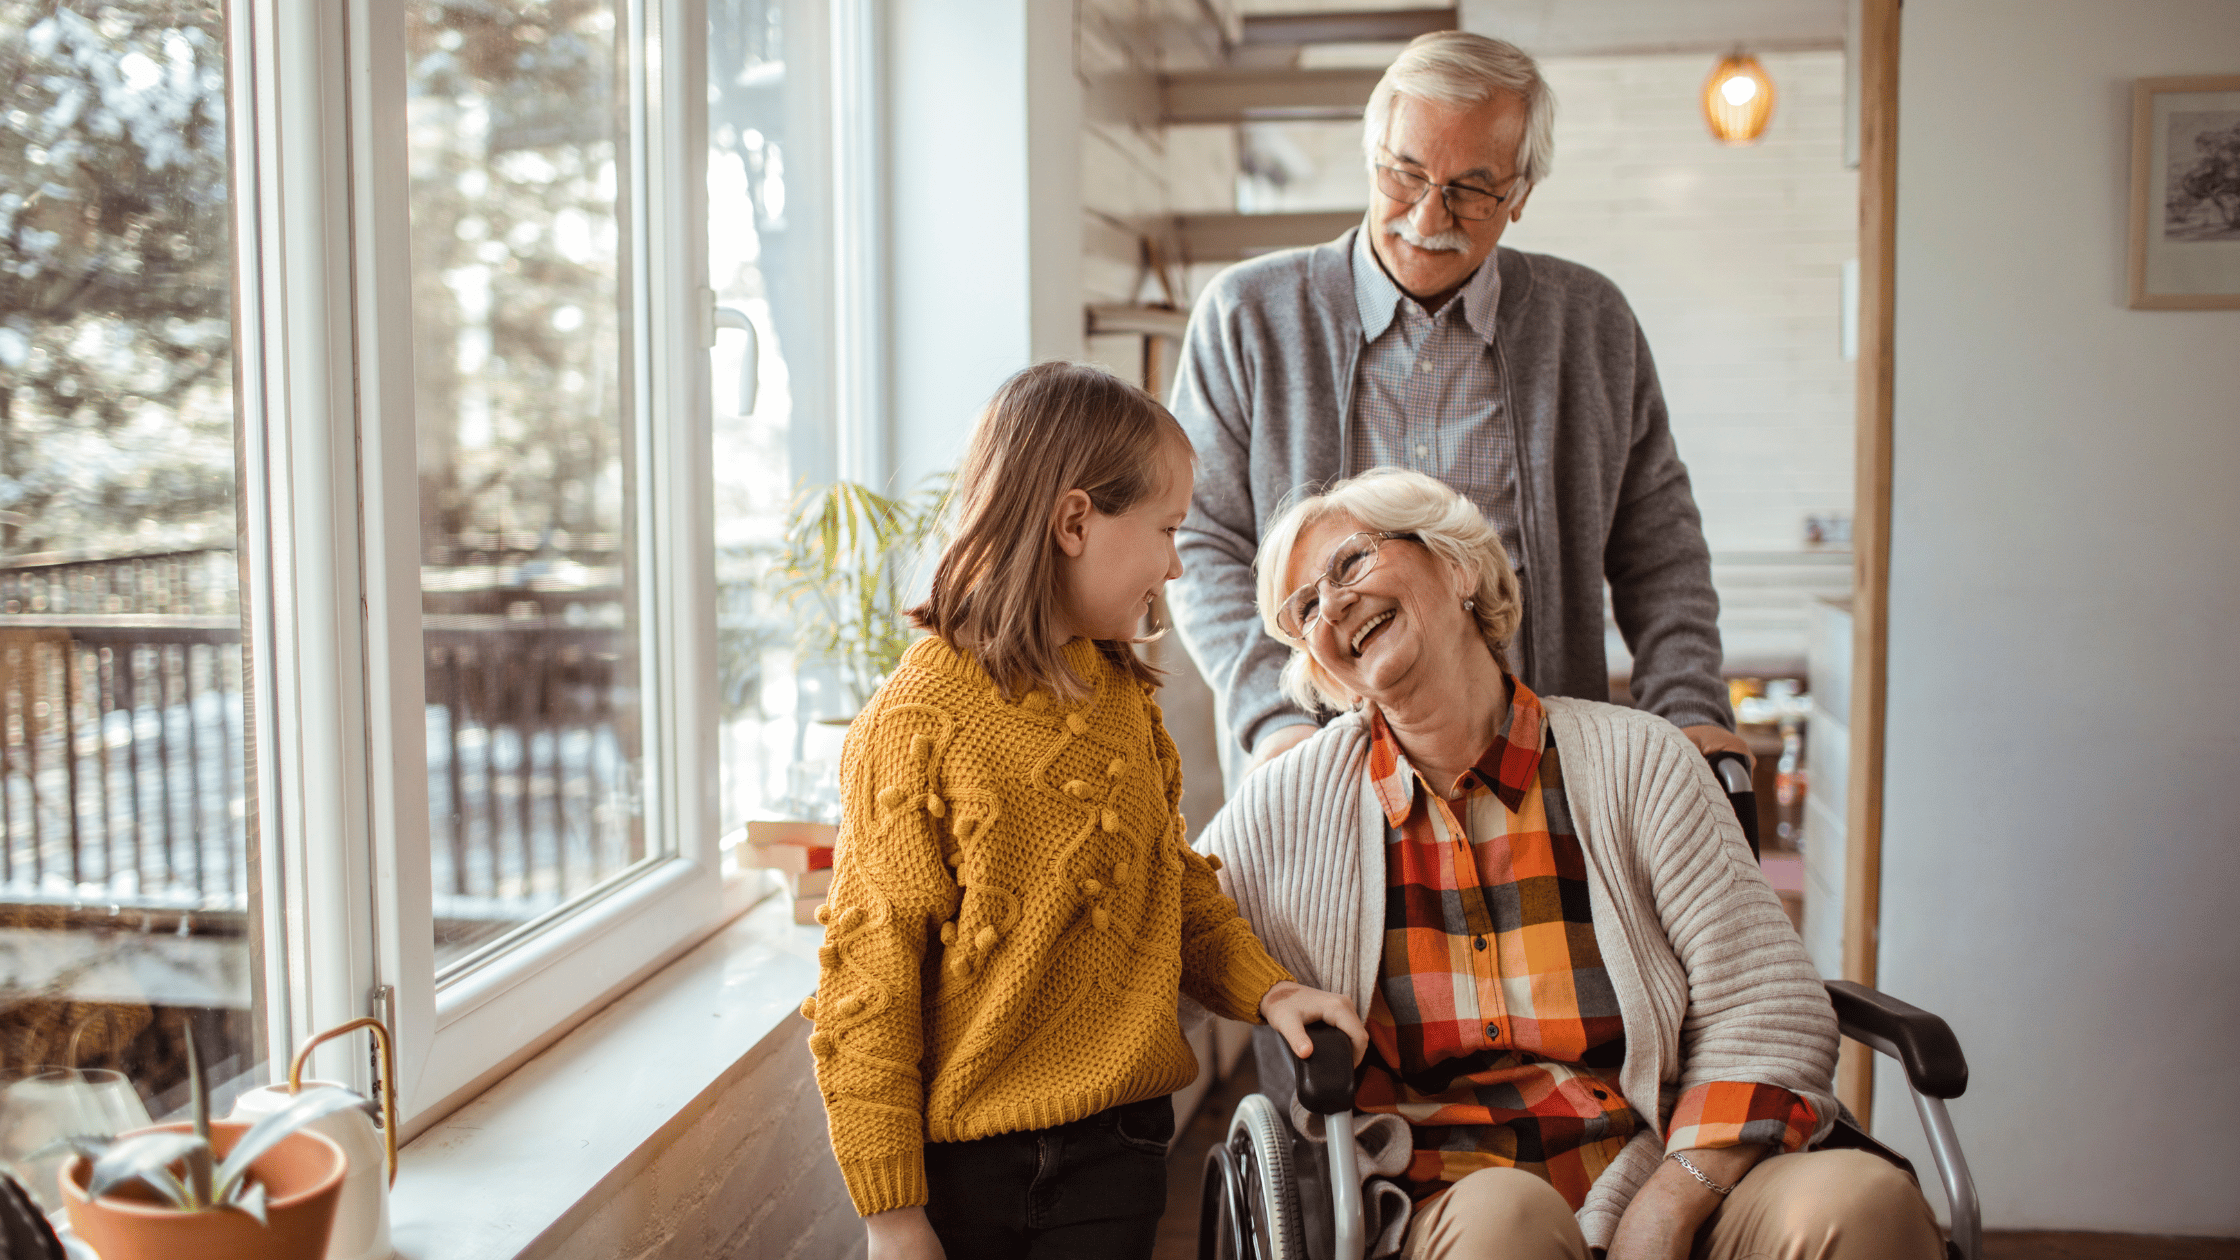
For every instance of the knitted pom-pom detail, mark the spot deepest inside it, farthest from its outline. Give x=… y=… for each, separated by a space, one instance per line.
x=935 y=806
x=1076 y=725
x=850 y=919
x=1118 y=767
x=1213 y=860
x=1091 y=887
x=824 y=913
x=828 y=955
x=889 y=797
x=821 y=1045
x=1122 y=872
x=1111 y=821
x=1078 y=790
x=948 y=933
x=1035 y=700
x=921 y=747
x=984 y=939
x=847 y=1006
x=1100 y=918
x=809 y=1007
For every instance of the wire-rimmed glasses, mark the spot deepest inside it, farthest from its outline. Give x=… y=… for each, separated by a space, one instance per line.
x=1354 y=558
x=1462 y=200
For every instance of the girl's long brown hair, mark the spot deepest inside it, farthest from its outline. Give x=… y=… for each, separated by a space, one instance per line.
x=1051 y=428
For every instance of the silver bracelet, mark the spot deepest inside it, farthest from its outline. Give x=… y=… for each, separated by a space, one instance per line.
x=1697 y=1173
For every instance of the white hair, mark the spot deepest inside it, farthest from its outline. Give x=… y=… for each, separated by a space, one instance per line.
x=1458 y=68
x=1398 y=501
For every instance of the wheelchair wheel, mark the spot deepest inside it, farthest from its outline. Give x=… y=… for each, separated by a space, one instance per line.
x=1250 y=1206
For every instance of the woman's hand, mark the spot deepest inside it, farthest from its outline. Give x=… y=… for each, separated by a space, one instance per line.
x=903 y=1234
x=1662 y=1220
x=1289 y=1007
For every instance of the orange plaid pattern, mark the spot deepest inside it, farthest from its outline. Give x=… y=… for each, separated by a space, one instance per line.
x=1494 y=1030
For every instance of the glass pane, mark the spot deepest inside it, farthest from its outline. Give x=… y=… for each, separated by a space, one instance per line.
x=767 y=252
x=125 y=871
x=521 y=310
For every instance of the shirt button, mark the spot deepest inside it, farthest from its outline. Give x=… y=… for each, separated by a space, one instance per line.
x=1493 y=1031
x=1480 y=942
x=1599 y=1094
x=1422 y=450
x=1422 y=367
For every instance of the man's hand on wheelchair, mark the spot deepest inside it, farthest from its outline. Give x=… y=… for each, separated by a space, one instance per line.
x=1289 y=1007
x=903 y=1234
x=1710 y=739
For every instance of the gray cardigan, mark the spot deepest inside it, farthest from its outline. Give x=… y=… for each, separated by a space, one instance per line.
x=1712 y=983
x=1265 y=392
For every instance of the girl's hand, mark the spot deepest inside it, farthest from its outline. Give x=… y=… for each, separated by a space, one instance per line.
x=1290 y=1007
x=903 y=1234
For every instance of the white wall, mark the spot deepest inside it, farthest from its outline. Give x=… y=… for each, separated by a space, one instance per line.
x=1733 y=260
x=2062 y=838
x=983 y=117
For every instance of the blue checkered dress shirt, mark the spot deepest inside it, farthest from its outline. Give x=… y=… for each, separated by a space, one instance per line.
x=1428 y=393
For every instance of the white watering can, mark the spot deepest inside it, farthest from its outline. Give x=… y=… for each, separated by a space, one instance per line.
x=361 y=1219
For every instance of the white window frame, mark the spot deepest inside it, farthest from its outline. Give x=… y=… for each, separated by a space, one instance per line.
x=332 y=545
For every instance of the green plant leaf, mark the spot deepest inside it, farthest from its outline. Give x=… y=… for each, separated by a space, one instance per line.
x=92 y=1146
x=249 y=1197
x=135 y=1158
x=265 y=1134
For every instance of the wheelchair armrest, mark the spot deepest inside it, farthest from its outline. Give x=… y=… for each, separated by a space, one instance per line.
x=1914 y=1037
x=1325 y=1078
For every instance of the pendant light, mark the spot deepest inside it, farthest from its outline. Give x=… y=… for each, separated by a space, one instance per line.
x=1738 y=99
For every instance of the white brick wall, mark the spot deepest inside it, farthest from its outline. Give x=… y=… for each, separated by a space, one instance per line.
x=1732 y=259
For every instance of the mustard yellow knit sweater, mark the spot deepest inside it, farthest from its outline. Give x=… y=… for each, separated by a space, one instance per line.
x=1013 y=909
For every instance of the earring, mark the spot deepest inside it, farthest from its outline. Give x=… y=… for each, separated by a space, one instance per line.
x=1469 y=605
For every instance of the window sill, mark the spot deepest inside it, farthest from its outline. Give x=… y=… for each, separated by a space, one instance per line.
x=677 y=1117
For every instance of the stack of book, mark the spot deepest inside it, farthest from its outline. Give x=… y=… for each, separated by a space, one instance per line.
x=801 y=852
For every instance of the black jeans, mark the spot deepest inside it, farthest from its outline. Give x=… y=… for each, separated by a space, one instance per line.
x=1092 y=1189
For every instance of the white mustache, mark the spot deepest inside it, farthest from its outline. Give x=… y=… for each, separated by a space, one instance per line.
x=1451 y=241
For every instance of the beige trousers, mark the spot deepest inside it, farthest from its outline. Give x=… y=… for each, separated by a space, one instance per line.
x=1813 y=1205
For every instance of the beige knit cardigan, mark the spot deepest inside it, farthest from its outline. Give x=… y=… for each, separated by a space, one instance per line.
x=1712 y=982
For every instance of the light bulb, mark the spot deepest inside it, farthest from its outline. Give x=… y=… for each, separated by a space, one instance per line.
x=1739 y=89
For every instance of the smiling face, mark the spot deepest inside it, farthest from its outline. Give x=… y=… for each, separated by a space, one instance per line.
x=1428 y=251
x=1115 y=566
x=1398 y=630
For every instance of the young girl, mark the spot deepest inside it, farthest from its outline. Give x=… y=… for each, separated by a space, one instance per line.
x=1013 y=904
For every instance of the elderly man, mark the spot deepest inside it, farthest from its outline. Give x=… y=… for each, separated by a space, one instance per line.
x=1413 y=341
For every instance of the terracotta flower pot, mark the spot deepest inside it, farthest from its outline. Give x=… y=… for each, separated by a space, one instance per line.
x=302 y=1179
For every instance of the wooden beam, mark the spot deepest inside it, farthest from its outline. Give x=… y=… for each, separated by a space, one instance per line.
x=1374 y=26
x=1234 y=96
x=1141 y=321
x=1870 y=531
x=1229 y=237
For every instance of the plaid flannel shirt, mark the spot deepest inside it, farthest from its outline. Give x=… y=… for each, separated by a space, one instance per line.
x=1494 y=1030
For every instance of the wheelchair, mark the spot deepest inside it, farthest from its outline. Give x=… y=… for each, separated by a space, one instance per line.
x=1266 y=1195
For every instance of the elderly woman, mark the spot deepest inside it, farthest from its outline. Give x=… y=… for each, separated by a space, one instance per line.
x=1582 y=998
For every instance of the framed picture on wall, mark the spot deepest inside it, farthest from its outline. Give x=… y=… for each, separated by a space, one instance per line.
x=2185 y=193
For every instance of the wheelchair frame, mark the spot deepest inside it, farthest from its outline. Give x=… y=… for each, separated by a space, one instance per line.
x=1249 y=1205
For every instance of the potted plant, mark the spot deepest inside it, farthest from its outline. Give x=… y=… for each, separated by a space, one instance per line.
x=202 y=1190
x=840 y=576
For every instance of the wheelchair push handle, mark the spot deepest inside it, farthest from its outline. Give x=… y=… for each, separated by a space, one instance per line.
x=1732 y=769
x=1325 y=1078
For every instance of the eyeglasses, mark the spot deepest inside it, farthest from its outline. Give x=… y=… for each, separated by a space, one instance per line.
x=1354 y=559
x=1461 y=200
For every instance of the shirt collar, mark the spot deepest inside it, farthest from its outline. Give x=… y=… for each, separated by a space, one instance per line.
x=1508 y=767
x=1376 y=298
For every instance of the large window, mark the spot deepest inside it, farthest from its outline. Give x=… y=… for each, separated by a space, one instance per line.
x=127 y=875
x=463 y=356
x=769 y=240
x=530 y=451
